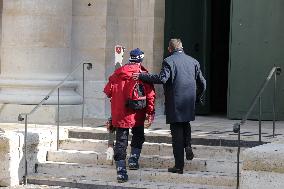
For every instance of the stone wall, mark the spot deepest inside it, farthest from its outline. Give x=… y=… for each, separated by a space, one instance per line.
x=39 y=141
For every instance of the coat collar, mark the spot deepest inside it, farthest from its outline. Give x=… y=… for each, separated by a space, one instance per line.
x=177 y=51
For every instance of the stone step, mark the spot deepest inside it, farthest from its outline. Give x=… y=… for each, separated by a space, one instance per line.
x=143 y=175
x=163 y=136
x=146 y=161
x=162 y=149
x=49 y=181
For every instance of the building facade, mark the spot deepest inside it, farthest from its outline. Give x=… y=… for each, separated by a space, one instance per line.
x=236 y=42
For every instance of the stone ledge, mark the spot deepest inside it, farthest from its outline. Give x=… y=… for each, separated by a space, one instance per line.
x=261 y=180
x=268 y=157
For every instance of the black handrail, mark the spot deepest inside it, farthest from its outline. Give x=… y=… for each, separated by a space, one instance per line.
x=24 y=116
x=237 y=126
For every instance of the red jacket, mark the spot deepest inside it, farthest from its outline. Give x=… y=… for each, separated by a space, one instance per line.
x=123 y=116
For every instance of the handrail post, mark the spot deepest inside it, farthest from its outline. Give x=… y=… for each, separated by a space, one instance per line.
x=89 y=66
x=83 y=95
x=238 y=159
x=58 y=119
x=259 y=120
x=274 y=99
x=237 y=129
x=25 y=154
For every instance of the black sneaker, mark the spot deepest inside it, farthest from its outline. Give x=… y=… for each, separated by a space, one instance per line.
x=133 y=163
x=175 y=170
x=133 y=166
x=188 y=153
x=121 y=178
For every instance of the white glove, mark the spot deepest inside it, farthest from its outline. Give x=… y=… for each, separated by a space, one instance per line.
x=109 y=153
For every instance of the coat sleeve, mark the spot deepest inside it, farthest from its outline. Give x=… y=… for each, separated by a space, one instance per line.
x=150 y=98
x=161 y=78
x=200 y=82
x=108 y=89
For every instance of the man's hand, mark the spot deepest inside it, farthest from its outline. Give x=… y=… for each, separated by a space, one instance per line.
x=135 y=76
x=149 y=120
x=200 y=100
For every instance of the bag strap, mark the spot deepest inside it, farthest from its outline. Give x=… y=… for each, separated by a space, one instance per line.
x=137 y=81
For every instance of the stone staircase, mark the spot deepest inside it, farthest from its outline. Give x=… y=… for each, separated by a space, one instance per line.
x=81 y=162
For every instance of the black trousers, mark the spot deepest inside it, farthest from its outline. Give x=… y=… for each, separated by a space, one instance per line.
x=181 y=138
x=121 y=143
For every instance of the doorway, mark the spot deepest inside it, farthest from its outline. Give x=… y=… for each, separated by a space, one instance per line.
x=204 y=27
x=220 y=30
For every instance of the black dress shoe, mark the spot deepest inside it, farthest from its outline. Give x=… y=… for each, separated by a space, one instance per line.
x=188 y=153
x=175 y=170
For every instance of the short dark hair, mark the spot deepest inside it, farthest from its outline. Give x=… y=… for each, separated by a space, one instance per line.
x=175 y=44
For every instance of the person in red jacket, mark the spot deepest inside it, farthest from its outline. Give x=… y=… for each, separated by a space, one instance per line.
x=124 y=117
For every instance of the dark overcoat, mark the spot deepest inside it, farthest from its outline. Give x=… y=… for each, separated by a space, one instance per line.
x=180 y=75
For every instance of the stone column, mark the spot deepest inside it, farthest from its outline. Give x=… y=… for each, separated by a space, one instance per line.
x=36 y=51
x=89 y=44
x=137 y=23
x=1 y=8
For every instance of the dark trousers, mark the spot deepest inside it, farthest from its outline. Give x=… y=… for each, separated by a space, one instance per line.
x=181 y=138
x=122 y=141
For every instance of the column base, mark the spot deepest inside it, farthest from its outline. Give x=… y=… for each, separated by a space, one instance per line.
x=46 y=114
x=28 y=92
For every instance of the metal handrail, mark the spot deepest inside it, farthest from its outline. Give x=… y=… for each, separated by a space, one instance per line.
x=237 y=126
x=24 y=116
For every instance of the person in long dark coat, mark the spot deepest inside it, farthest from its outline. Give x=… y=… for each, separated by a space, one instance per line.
x=181 y=77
